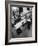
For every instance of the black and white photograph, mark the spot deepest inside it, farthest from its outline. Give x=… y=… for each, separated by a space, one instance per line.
x=21 y=22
